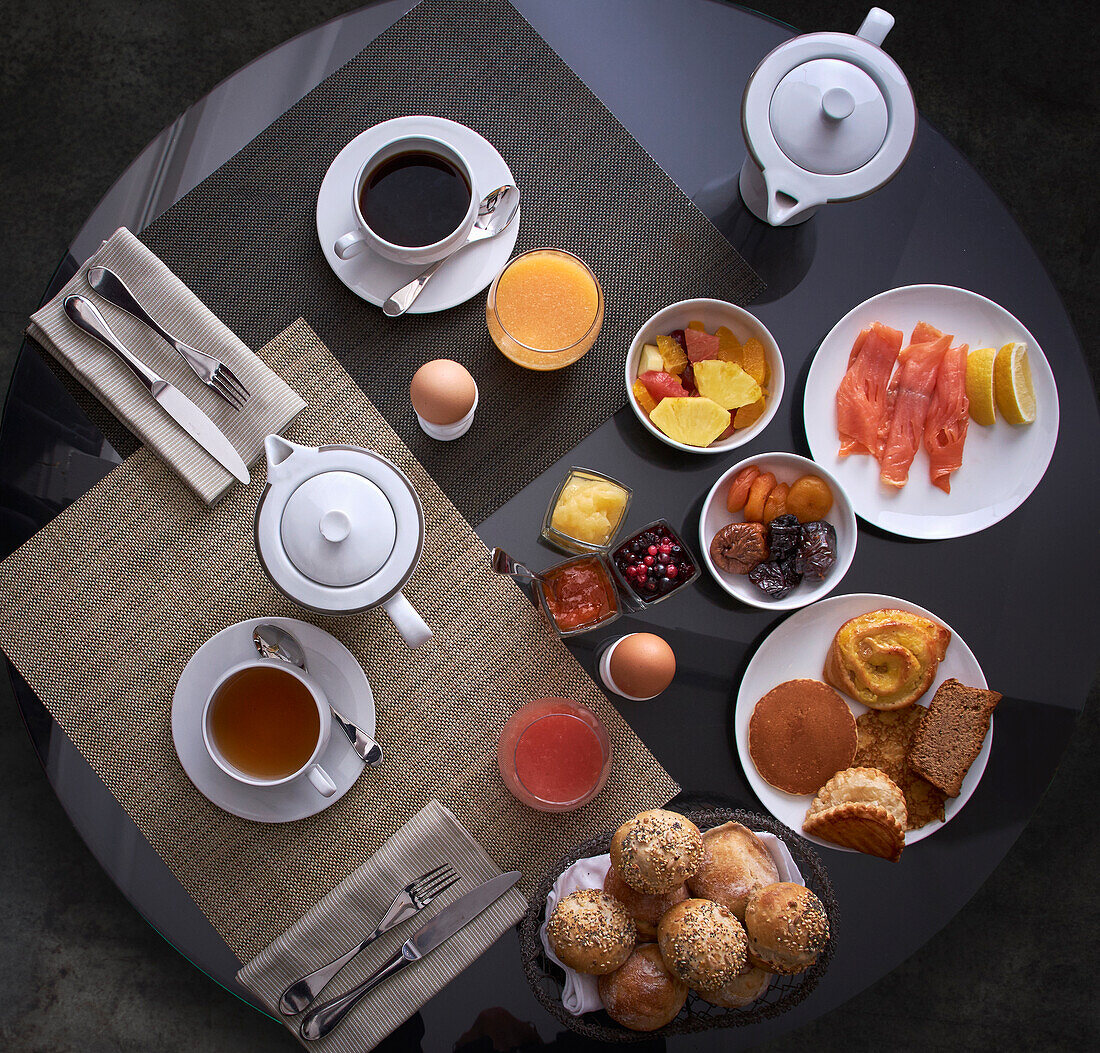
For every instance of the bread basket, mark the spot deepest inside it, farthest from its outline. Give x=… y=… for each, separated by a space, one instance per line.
x=547 y=979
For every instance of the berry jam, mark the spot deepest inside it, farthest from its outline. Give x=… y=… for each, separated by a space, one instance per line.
x=654 y=562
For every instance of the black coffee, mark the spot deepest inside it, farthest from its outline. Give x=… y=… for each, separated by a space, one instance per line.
x=414 y=199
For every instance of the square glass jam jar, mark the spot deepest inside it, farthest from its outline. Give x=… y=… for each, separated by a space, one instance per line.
x=653 y=563
x=586 y=511
x=578 y=594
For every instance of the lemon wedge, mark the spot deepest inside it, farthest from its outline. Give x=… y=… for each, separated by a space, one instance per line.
x=979 y=385
x=1012 y=384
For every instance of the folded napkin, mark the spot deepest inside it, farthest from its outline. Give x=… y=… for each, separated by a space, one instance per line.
x=581 y=992
x=351 y=911
x=271 y=404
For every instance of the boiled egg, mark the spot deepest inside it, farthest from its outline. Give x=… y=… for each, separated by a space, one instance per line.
x=442 y=391
x=642 y=665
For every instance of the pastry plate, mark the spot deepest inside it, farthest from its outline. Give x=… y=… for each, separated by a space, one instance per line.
x=796 y=649
x=341 y=678
x=373 y=278
x=1002 y=464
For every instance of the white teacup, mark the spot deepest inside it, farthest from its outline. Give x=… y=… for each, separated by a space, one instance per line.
x=321 y=780
x=352 y=243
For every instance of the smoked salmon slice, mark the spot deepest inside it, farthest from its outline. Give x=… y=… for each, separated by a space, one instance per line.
x=909 y=398
x=948 y=417
x=861 y=399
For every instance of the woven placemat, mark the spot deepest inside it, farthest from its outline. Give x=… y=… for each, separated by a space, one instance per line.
x=245 y=239
x=102 y=608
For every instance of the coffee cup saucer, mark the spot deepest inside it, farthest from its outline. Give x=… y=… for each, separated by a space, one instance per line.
x=341 y=678
x=375 y=279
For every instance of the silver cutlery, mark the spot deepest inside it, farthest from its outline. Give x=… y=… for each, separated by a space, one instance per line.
x=497 y=210
x=174 y=402
x=213 y=372
x=320 y=1021
x=273 y=642
x=412 y=899
x=502 y=563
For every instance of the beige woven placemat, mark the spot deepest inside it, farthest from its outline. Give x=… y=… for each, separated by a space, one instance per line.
x=101 y=609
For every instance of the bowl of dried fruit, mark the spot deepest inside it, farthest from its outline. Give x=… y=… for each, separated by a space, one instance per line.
x=777 y=531
x=704 y=376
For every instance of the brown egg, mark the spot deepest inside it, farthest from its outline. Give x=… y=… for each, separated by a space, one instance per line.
x=442 y=391
x=642 y=665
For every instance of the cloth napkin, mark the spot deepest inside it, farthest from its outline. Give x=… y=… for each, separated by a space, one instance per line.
x=353 y=908
x=271 y=405
x=581 y=992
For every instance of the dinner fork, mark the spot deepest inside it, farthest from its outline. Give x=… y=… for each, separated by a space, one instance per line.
x=213 y=372
x=412 y=899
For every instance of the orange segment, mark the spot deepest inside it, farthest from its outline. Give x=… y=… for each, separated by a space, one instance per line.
x=729 y=349
x=755 y=363
x=697 y=325
x=672 y=354
x=643 y=398
x=750 y=414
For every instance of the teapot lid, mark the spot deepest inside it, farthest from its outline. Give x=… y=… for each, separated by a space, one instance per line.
x=338 y=528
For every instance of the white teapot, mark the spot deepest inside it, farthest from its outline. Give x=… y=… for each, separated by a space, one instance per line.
x=339 y=529
x=826 y=117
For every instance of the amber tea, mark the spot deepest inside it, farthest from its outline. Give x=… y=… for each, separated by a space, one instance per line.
x=264 y=722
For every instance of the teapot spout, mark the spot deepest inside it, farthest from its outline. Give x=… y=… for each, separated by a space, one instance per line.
x=787 y=206
x=278 y=451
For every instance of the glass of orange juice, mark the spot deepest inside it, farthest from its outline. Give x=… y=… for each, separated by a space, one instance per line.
x=545 y=309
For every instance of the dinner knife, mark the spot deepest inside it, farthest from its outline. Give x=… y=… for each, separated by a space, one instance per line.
x=320 y=1021
x=173 y=401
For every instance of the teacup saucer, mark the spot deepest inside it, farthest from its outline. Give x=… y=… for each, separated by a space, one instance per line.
x=374 y=278
x=342 y=680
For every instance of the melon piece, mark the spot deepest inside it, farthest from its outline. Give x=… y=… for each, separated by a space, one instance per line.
x=650 y=359
x=662 y=385
x=700 y=345
x=672 y=355
x=726 y=383
x=694 y=422
x=754 y=360
x=750 y=414
x=644 y=398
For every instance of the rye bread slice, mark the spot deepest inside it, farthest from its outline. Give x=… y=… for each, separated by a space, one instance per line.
x=951 y=734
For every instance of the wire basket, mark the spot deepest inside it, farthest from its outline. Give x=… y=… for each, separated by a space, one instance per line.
x=547 y=979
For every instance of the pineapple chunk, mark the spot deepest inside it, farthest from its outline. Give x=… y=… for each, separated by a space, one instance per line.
x=692 y=421
x=672 y=355
x=750 y=414
x=726 y=383
x=644 y=398
x=754 y=360
x=650 y=359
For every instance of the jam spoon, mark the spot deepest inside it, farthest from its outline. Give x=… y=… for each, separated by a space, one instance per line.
x=273 y=642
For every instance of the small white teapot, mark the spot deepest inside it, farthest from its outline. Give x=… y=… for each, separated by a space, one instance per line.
x=826 y=117
x=339 y=529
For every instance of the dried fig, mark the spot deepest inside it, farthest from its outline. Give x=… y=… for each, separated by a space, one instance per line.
x=739 y=547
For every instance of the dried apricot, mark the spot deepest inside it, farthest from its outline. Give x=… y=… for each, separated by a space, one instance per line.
x=759 y=492
x=751 y=413
x=810 y=498
x=754 y=361
x=776 y=504
x=739 y=488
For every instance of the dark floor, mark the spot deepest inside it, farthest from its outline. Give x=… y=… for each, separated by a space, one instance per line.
x=84 y=87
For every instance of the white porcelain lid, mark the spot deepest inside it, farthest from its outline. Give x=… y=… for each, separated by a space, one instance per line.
x=338 y=528
x=828 y=116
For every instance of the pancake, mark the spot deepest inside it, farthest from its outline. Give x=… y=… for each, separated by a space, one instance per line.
x=801 y=733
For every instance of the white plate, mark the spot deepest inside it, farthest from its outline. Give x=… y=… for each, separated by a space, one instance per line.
x=712 y=313
x=786 y=467
x=374 y=278
x=796 y=650
x=1002 y=463
x=341 y=678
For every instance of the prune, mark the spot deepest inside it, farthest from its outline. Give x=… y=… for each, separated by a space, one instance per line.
x=784 y=535
x=817 y=550
x=775 y=577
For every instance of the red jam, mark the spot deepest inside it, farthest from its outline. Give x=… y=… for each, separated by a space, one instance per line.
x=579 y=593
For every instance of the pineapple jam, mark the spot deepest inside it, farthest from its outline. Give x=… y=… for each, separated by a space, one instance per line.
x=589 y=509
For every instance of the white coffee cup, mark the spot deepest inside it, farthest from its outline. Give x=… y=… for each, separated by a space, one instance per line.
x=352 y=243
x=321 y=780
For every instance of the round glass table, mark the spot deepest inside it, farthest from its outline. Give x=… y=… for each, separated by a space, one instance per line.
x=937 y=222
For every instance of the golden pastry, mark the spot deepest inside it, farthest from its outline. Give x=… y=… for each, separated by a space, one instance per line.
x=886 y=659
x=860 y=808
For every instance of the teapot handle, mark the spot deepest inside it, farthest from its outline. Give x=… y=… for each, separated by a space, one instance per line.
x=413 y=629
x=876 y=25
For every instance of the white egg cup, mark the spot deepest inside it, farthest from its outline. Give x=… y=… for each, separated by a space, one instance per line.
x=605 y=673
x=447 y=432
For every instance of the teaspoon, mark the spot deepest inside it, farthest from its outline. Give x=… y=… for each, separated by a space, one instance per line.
x=498 y=209
x=273 y=642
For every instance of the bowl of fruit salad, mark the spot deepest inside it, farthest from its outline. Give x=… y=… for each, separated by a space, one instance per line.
x=704 y=376
x=777 y=531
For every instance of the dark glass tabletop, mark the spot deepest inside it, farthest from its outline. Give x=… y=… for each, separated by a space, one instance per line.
x=937 y=222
